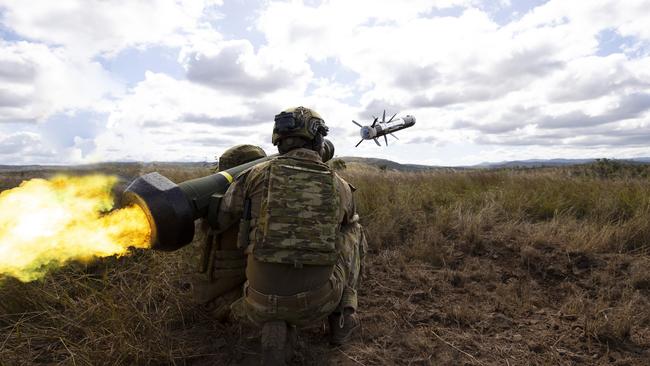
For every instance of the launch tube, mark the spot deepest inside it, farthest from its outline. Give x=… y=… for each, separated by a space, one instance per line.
x=172 y=208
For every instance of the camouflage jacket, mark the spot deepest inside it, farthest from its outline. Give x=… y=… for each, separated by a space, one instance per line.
x=252 y=184
x=280 y=278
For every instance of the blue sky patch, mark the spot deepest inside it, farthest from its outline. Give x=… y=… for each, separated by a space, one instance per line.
x=238 y=21
x=503 y=15
x=610 y=41
x=60 y=130
x=131 y=64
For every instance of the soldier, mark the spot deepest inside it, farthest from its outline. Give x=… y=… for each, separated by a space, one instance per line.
x=223 y=264
x=302 y=237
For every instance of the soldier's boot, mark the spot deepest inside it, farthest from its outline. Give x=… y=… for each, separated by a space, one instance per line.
x=292 y=341
x=278 y=340
x=342 y=326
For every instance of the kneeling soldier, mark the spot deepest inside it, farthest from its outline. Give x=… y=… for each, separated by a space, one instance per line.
x=301 y=234
x=222 y=268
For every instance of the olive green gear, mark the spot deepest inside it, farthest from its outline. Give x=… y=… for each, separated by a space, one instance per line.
x=298 y=122
x=238 y=155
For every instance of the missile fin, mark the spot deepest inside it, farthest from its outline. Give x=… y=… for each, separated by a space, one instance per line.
x=386 y=139
x=359 y=143
x=391 y=118
x=356 y=123
x=394 y=136
x=377 y=142
x=374 y=122
x=383 y=118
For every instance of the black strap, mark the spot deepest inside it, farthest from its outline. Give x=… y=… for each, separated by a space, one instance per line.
x=245 y=225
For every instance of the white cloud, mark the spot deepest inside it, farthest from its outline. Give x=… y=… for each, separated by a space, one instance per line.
x=40 y=81
x=233 y=66
x=18 y=142
x=58 y=67
x=27 y=148
x=91 y=27
x=541 y=82
x=57 y=70
x=467 y=74
x=629 y=18
x=162 y=118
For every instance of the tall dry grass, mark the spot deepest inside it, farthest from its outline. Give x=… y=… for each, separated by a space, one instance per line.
x=132 y=310
x=564 y=207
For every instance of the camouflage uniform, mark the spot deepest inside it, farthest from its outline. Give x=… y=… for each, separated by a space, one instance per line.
x=223 y=264
x=303 y=290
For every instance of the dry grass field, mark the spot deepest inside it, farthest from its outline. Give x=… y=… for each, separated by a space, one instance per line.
x=546 y=266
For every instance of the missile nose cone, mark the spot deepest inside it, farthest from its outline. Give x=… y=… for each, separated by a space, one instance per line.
x=365 y=132
x=409 y=120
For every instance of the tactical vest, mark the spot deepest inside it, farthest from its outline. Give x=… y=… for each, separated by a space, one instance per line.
x=298 y=219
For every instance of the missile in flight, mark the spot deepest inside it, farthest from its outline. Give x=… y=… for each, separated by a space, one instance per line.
x=382 y=128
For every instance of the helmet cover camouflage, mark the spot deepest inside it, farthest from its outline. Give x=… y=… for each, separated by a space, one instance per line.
x=298 y=122
x=238 y=155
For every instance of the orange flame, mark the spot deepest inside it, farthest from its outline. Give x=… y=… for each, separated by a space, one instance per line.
x=46 y=223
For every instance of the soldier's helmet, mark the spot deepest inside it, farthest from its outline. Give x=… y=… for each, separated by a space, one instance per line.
x=298 y=122
x=238 y=155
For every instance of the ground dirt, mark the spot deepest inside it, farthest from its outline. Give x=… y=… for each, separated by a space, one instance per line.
x=495 y=306
x=487 y=308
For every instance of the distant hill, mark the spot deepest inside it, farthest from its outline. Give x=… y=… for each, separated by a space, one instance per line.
x=389 y=164
x=376 y=162
x=534 y=163
x=101 y=166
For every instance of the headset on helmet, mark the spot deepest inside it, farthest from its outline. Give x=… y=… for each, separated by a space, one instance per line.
x=298 y=122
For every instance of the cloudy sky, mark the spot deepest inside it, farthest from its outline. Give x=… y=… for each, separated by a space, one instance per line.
x=103 y=80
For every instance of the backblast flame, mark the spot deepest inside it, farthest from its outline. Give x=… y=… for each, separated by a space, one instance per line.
x=46 y=223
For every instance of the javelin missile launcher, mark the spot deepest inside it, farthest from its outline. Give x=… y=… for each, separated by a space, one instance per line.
x=172 y=208
x=383 y=128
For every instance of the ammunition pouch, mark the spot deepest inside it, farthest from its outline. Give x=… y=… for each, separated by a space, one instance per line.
x=222 y=269
x=229 y=263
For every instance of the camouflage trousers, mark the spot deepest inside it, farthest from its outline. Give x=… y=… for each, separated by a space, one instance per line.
x=307 y=308
x=213 y=297
x=217 y=289
x=219 y=307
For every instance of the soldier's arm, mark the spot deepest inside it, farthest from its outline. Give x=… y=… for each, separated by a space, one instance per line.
x=248 y=185
x=348 y=207
x=232 y=204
